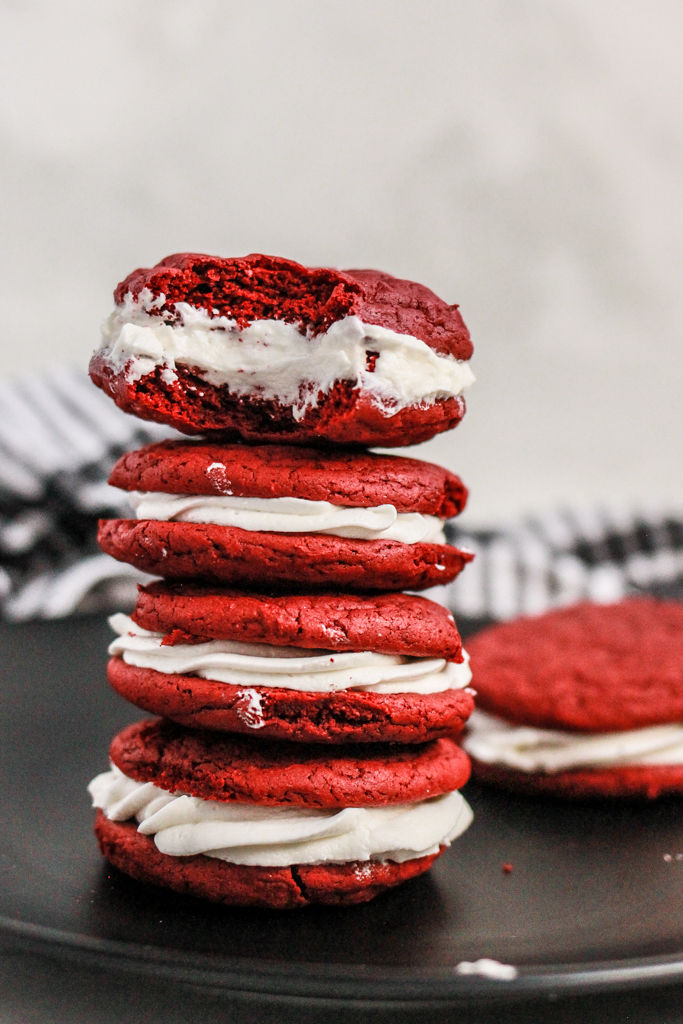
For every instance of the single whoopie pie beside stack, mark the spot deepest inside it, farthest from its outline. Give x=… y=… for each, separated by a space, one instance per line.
x=582 y=702
x=305 y=747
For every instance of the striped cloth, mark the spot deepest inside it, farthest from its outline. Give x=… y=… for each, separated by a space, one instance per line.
x=558 y=557
x=60 y=436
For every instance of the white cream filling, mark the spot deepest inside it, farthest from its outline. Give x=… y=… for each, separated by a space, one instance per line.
x=290 y=515
x=279 y=836
x=527 y=749
x=278 y=360
x=294 y=668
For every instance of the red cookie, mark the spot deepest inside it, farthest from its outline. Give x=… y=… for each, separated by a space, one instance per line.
x=385 y=623
x=237 y=885
x=633 y=782
x=590 y=667
x=215 y=766
x=254 y=559
x=259 y=287
x=586 y=669
x=256 y=288
x=400 y=624
x=277 y=713
x=356 y=480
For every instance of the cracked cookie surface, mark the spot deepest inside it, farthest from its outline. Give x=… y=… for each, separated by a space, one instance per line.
x=254 y=559
x=347 y=717
x=587 y=668
x=216 y=766
x=403 y=624
x=349 y=479
x=236 y=885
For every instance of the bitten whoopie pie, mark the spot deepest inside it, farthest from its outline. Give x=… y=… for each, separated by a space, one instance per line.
x=262 y=348
x=267 y=515
x=585 y=701
x=253 y=823
x=322 y=668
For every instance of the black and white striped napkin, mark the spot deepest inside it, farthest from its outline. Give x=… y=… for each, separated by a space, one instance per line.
x=60 y=436
x=558 y=557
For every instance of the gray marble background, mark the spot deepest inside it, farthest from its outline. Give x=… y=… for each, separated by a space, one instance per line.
x=523 y=159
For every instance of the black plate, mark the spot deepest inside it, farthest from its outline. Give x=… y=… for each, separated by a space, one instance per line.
x=592 y=901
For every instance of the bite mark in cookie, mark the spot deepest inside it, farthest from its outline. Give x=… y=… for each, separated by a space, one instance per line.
x=265 y=349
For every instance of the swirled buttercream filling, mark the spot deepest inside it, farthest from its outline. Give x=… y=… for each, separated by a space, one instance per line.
x=527 y=749
x=290 y=515
x=279 y=361
x=279 y=836
x=294 y=668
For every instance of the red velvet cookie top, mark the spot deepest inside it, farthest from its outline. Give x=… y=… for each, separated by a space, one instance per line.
x=258 y=287
x=590 y=667
x=220 y=766
x=385 y=623
x=358 y=480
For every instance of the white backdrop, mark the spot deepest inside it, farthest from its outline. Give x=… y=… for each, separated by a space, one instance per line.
x=523 y=159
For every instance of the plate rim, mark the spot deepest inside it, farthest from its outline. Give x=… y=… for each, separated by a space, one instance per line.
x=339 y=984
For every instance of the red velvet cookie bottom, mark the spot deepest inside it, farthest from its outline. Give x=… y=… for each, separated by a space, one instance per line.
x=638 y=782
x=245 y=886
x=344 y=717
x=346 y=415
x=251 y=558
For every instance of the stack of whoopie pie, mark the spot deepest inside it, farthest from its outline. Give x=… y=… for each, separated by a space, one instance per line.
x=305 y=748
